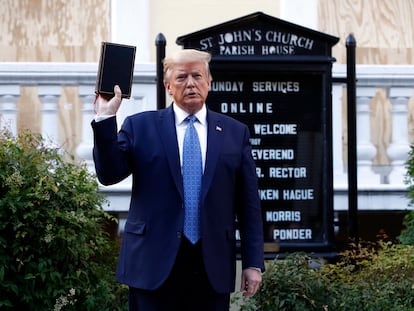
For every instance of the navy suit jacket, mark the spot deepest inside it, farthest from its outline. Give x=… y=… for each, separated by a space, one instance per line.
x=146 y=147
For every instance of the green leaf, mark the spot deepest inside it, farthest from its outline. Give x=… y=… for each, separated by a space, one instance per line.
x=29 y=276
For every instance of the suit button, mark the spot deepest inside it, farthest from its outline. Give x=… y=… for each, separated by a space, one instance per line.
x=179 y=234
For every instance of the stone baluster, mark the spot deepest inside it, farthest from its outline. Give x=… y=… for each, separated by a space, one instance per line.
x=8 y=107
x=84 y=149
x=366 y=151
x=49 y=97
x=399 y=148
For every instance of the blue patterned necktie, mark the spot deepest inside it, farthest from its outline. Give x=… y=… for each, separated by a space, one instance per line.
x=192 y=172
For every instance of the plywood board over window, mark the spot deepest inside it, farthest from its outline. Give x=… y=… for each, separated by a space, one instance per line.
x=383 y=29
x=384 y=32
x=53 y=31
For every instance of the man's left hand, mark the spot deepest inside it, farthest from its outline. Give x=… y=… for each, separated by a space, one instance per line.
x=250 y=281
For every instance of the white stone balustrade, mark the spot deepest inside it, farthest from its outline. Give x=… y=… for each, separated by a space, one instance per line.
x=376 y=193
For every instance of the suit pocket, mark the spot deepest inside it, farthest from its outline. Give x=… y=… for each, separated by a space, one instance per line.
x=137 y=228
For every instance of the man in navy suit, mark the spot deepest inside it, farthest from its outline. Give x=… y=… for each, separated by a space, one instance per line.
x=163 y=269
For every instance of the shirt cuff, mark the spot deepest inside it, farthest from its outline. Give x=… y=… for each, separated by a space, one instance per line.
x=103 y=117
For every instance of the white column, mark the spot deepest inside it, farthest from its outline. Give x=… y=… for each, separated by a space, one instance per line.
x=49 y=97
x=300 y=12
x=8 y=107
x=84 y=150
x=366 y=150
x=130 y=24
x=399 y=147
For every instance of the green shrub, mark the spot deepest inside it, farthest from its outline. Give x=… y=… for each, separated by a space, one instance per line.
x=365 y=278
x=379 y=278
x=54 y=251
x=407 y=234
x=290 y=285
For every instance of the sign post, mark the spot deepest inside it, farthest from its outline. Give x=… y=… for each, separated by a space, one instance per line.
x=276 y=77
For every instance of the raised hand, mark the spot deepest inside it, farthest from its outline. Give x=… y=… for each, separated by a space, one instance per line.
x=107 y=105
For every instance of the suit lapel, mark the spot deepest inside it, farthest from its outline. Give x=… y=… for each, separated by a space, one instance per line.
x=169 y=139
x=214 y=141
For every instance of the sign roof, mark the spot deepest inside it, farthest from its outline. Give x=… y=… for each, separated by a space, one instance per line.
x=259 y=34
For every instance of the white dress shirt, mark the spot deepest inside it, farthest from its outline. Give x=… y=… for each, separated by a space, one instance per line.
x=200 y=125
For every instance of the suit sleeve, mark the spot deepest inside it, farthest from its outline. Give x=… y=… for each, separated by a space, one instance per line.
x=110 y=152
x=249 y=210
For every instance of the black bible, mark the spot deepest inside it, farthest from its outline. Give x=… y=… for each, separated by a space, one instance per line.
x=116 y=66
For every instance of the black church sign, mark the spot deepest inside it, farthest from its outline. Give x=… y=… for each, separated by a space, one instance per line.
x=276 y=77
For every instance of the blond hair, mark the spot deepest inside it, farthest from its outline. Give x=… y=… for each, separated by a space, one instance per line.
x=186 y=56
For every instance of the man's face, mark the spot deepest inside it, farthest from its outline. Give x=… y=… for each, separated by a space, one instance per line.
x=189 y=85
